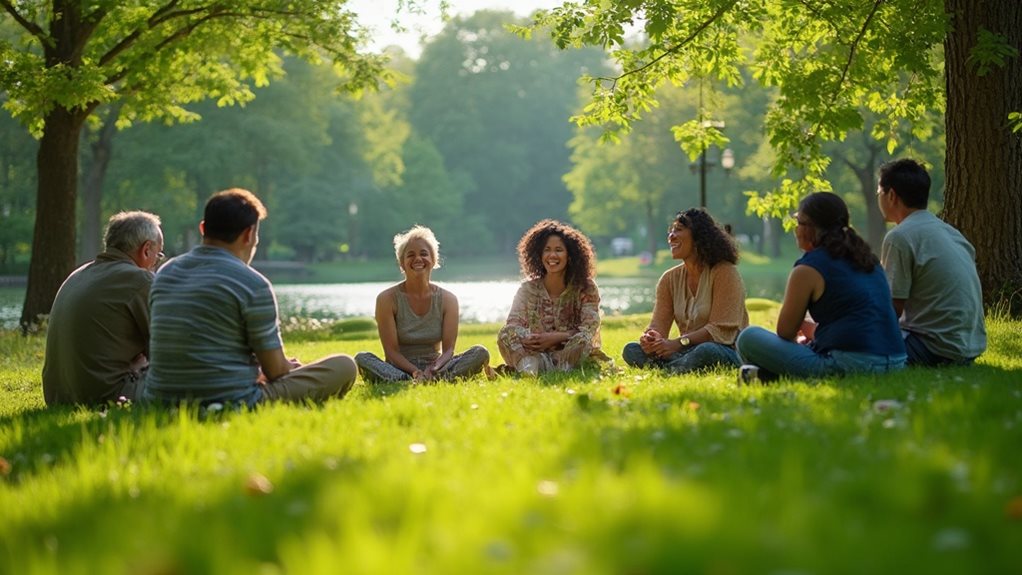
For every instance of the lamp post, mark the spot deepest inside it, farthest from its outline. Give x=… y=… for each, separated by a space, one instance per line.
x=727 y=161
x=352 y=214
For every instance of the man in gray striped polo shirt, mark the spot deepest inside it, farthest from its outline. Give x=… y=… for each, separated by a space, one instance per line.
x=214 y=328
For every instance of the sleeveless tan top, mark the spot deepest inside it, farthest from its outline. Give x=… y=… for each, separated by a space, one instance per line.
x=419 y=336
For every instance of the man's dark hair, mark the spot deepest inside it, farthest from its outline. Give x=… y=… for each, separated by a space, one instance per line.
x=909 y=179
x=230 y=212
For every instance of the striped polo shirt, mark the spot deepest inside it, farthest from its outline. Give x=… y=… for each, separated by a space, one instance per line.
x=209 y=312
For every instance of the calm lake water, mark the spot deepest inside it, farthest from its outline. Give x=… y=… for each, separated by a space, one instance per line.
x=480 y=301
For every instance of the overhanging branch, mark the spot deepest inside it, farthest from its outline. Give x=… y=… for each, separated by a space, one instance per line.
x=855 y=44
x=674 y=49
x=28 y=25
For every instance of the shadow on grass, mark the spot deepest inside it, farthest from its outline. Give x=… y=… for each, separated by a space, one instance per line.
x=238 y=527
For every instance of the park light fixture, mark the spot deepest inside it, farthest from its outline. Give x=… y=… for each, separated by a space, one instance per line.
x=705 y=164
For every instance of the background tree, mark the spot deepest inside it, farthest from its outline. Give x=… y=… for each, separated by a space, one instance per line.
x=153 y=57
x=829 y=62
x=298 y=145
x=496 y=108
x=99 y=140
x=642 y=181
x=17 y=201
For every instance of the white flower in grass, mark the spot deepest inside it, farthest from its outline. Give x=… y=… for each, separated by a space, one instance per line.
x=417 y=448
x=882 y=405
x=547 y=488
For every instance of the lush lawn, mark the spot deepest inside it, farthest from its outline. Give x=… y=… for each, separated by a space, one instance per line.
x=631 y=473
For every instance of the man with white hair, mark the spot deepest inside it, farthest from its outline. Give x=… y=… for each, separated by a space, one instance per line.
x=97 y=342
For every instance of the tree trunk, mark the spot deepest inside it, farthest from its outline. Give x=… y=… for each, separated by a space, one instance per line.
x=92 y=189
x=773 y=231
x=53 y=240
x=876 y=228
x=983 y=164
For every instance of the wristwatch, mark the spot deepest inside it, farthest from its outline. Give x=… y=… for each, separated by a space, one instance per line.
x=684 y=341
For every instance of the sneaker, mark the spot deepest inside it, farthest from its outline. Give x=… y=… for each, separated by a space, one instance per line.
x=504 y=370
x=748 y=374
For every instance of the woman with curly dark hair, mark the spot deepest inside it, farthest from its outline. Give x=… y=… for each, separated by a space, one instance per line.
x=554 y=322
x=841 y=284
x=704 y=295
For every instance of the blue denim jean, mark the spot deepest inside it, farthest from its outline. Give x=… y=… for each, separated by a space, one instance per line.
x=699 y=356
x=919 y=354
x=777 y=356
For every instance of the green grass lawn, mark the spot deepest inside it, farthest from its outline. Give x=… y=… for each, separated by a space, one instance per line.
x=919 y=472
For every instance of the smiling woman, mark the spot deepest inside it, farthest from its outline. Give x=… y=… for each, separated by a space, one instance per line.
x=704 y=296
x=554 y=323
x=418 y=321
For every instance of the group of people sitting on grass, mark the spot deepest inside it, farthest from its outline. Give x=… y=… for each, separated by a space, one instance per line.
x=205 y=328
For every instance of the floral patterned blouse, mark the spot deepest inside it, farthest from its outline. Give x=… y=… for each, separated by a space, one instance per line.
x=576 y=311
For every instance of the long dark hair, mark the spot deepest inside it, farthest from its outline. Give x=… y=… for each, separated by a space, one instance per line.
x=713 y=244
x=828 y=215
x=581 y=259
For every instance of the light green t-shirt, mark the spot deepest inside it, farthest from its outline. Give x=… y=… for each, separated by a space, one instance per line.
x=932 y=267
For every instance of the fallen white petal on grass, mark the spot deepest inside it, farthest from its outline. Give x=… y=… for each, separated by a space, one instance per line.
x=547 y=488
x=882 y=405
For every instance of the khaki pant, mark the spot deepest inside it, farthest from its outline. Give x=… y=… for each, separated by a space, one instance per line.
x=329 y=377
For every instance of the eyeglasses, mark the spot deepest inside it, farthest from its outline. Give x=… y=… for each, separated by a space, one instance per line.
x=160 y=257
x=799 y=221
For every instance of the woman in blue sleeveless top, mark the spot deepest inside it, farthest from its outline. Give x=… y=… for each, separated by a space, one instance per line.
x=418 y=321
x=841 y=284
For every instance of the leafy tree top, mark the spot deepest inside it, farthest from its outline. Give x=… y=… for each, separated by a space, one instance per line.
x=157 y=56
x=830 y=63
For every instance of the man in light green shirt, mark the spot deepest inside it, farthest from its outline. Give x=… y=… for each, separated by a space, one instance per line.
x=932 y=271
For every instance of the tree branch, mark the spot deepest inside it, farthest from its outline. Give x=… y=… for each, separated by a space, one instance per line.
x=28 y=25
x=819 y=15
x=673 y=49
x=167 y=14
x=855 y=44
x=161 y=16
x=179 y=34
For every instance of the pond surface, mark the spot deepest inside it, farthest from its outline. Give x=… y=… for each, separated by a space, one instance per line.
x=480 y=301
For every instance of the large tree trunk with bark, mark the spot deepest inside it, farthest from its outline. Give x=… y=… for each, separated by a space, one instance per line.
x=983 y=198
x=53 y=241
x=92 y=189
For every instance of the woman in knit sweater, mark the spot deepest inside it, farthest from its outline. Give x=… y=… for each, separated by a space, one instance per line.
x=704 y=296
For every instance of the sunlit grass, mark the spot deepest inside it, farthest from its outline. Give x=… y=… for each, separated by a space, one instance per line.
x=631 y=473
